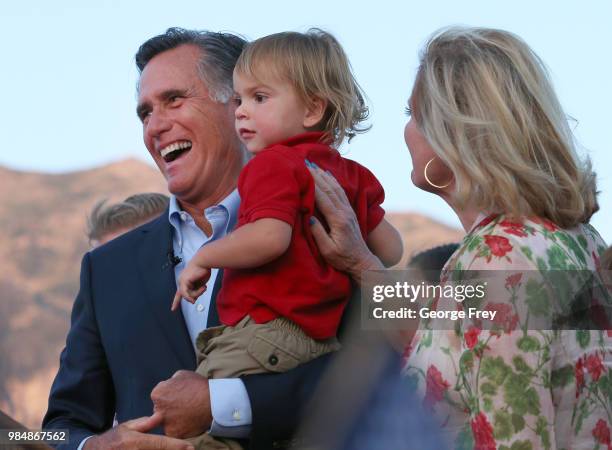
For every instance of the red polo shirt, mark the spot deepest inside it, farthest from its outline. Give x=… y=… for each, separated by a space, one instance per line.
x=299 y=285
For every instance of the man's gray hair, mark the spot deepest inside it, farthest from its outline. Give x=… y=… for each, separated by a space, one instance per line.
x=220 y=51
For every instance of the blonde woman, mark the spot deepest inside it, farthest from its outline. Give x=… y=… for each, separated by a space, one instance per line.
x=488 y=135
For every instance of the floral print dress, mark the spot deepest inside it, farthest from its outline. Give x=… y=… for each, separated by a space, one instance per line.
x=512 y=388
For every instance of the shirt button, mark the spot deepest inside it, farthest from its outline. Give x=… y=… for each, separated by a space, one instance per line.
x=183 y=216
x=273 y=360
x=200 y=307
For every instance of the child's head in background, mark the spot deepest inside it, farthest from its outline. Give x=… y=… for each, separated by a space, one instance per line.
x=290 y=83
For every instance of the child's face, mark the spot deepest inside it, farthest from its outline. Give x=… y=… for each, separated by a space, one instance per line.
x=268 y=112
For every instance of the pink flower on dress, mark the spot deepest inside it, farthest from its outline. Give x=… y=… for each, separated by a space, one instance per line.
x=505 y=317
x=546 y=224
x=406 y=354
x=486 y=221
x=516 y=228
x=596 y=260
x=601 y=432
x=579 y=375
x=609 y=332
x=595 y=366
x=435 y=387
x=513 y=280
x=471 y=337
x=483 y=433
x=499 y=245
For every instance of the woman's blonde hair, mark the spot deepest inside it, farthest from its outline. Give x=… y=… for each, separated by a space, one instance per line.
x=317 y=67
x=484 y=101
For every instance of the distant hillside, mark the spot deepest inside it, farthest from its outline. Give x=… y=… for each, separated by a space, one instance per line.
x=43 y=218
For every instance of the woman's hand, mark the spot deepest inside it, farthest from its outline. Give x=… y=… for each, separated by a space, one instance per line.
x=343 y=247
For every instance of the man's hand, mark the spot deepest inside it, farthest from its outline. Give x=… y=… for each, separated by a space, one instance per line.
x=131 y=435
x=191 y=284
x=343 y=247
x=183 y=402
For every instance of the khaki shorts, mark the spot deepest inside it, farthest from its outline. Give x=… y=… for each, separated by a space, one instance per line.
x=249 y=348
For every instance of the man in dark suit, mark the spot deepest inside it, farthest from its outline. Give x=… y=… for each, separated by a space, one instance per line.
x=126 y=353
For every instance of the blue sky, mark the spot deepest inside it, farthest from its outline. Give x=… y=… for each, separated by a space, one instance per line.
x=69 y=79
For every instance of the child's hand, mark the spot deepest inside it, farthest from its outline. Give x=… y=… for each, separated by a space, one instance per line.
x=192 y=284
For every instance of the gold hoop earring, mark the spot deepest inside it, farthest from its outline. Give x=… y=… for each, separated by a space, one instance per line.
x=429 y=181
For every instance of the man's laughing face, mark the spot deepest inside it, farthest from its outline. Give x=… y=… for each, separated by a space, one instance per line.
x=190 y=136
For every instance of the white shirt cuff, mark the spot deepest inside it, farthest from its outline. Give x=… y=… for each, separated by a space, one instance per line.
x=80 y=447
x=231 y=408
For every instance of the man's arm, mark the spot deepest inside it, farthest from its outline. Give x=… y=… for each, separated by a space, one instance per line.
x=81 y=398
x=82 y=395
x=278 y=400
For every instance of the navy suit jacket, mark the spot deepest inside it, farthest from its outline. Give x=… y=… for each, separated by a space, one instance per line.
x=124 y=339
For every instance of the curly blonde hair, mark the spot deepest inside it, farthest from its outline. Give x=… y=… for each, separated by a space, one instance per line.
x=316 y=65
x=484 y=101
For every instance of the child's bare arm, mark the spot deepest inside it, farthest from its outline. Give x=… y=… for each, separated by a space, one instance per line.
x=386 y=243
x=251 y=245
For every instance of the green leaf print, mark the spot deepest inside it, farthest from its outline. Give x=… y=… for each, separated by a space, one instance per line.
x=557 y=258
x=502 y=425
x=520 y=396
x=466 y=362
x=518 y=445
x=518 y=422
x=542 y=267
x=528 y=344
x=537 y=298
x=527 y=252
x=563 y=376
x=583 y=337
x=583 y=242
x=583 y=412
x=545 y=355
x=472 y=241
x=488 y=389
x=571 y=243
x=542 y=431
x=520 y=365
x=487 y=404
x=605 y=386
x=465 y=440
x=427 y=340
x=495 y=369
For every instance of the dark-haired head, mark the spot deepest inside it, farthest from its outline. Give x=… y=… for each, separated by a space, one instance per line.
x=220 y=51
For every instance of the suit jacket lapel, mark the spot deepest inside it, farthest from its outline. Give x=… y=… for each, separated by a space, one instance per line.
x=213 y=315
x=159 y=286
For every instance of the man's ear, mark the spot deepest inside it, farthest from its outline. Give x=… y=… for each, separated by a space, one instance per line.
x=315 y=111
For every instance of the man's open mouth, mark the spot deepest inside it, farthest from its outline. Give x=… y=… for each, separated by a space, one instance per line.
x=174 y=150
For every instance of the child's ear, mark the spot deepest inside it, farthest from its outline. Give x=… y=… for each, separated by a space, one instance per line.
x=314 y=112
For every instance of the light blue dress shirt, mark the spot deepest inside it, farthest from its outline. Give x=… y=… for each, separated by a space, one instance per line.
x=229 y=400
